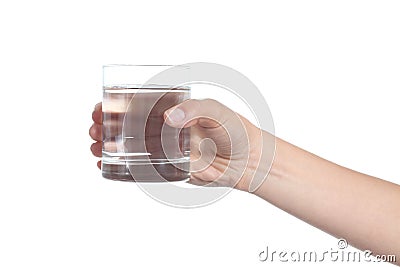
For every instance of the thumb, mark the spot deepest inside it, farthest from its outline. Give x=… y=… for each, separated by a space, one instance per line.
x=207 y=113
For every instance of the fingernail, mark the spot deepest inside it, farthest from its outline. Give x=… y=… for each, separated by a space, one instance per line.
x=176 y=115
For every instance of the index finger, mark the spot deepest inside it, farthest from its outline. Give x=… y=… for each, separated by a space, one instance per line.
x=97 y=114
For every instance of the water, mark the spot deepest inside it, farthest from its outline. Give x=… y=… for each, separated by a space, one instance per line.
x=132 y=145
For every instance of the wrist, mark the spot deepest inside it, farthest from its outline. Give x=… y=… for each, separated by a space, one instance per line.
x=260 y=163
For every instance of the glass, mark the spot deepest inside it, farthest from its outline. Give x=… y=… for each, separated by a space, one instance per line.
x=137 y=144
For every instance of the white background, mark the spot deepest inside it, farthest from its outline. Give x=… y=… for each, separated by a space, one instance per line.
x=328 y=69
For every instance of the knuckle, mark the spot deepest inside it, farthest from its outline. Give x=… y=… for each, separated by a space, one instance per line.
x=210 y=101
x=93 y=131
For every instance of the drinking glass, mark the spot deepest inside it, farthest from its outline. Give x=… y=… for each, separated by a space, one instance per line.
x=137 y=144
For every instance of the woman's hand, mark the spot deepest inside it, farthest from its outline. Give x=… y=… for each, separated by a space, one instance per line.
x=95 y=132
x=225 y=147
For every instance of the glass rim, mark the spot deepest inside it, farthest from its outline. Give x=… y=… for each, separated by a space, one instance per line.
x=144 y=65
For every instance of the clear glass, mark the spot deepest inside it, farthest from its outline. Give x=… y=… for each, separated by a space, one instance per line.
x=137 y=144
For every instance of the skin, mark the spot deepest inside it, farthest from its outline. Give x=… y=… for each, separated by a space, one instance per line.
x=364 y=210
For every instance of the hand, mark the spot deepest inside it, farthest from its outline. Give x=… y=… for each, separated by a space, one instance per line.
x=95 y=132
x=225 y=147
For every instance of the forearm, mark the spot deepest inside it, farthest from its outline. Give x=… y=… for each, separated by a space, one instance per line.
x=362 y=209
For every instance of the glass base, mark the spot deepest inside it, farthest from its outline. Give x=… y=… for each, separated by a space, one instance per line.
x=145 y=173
